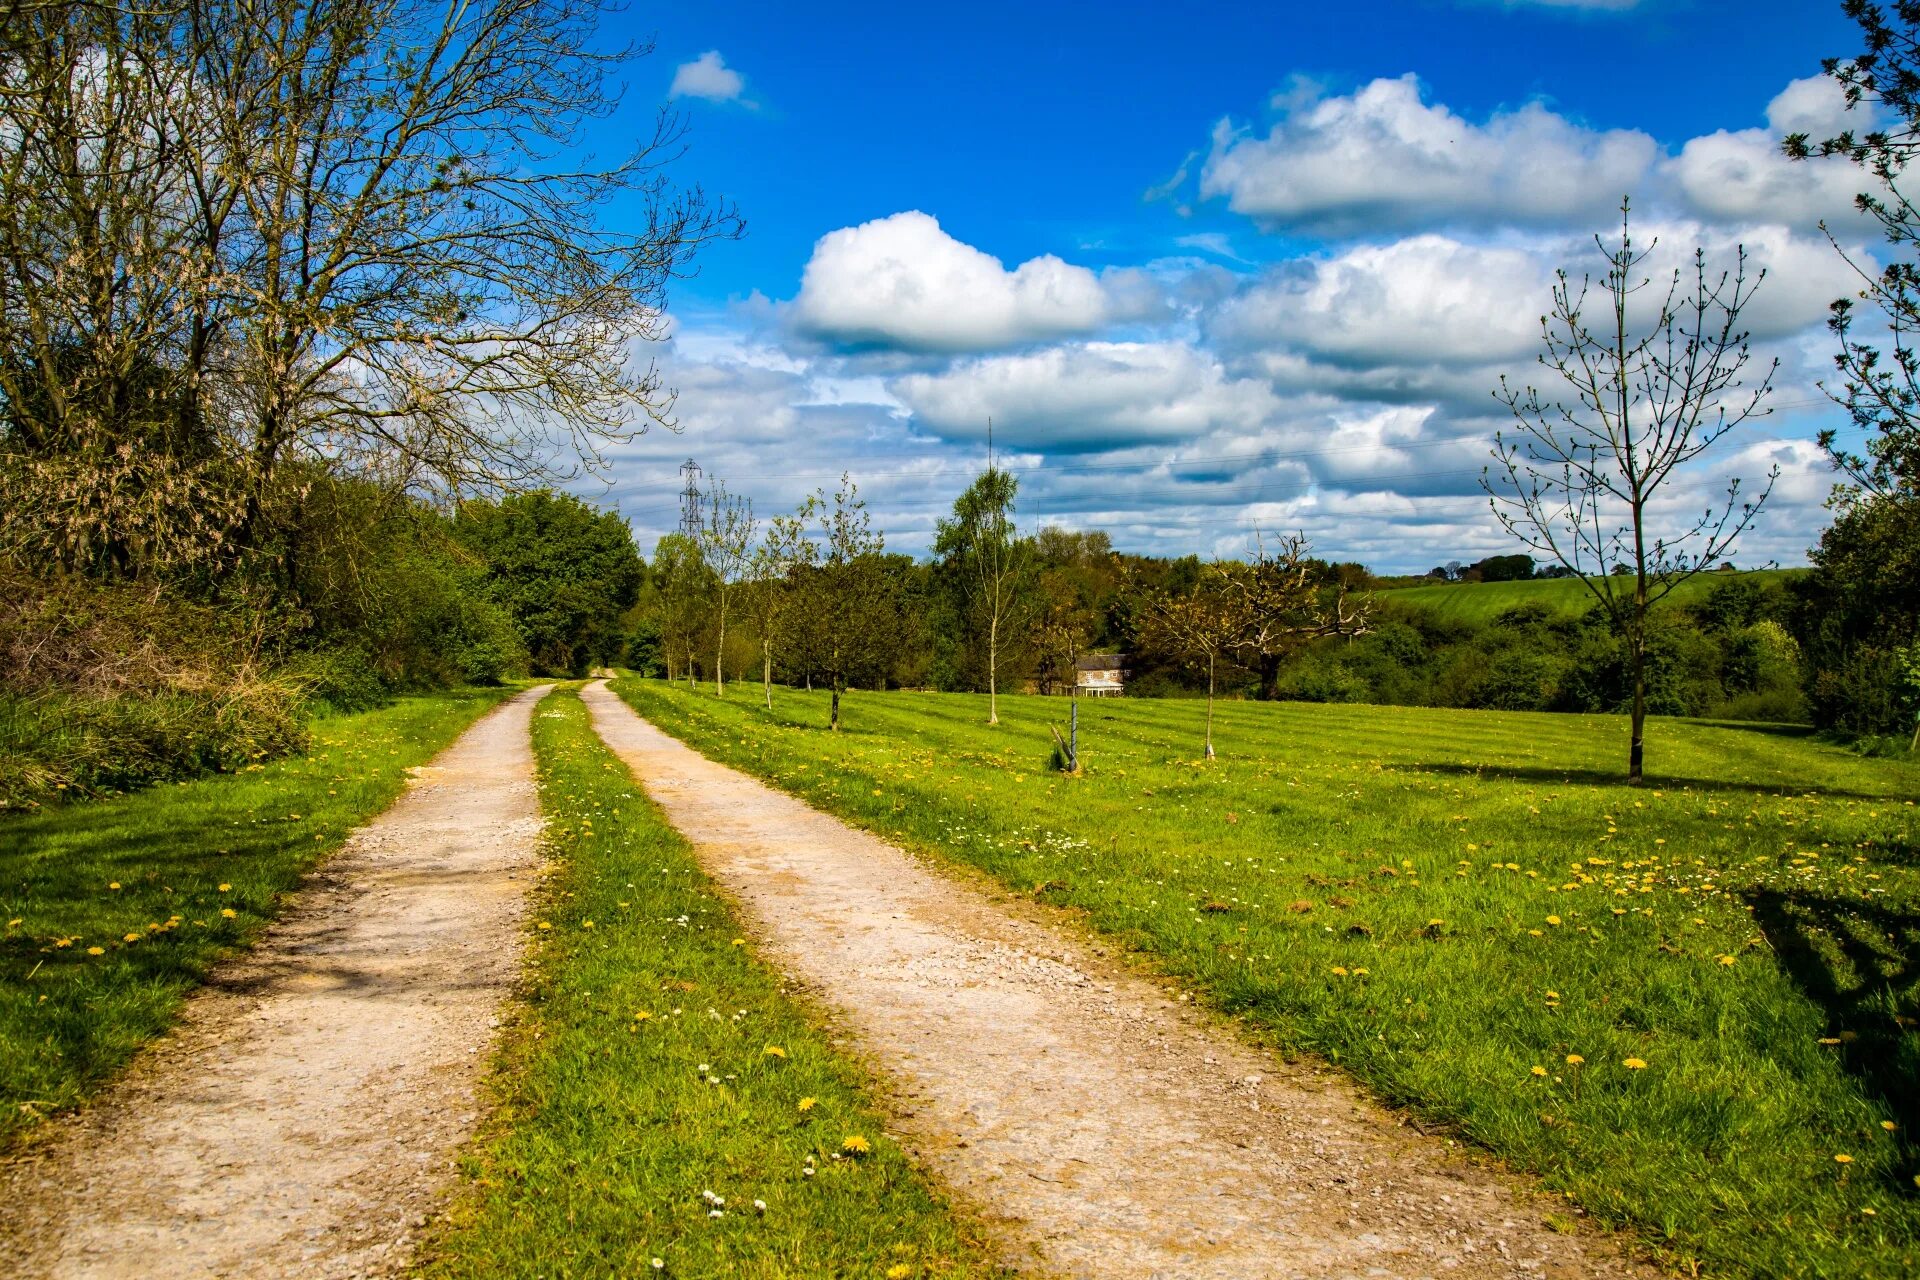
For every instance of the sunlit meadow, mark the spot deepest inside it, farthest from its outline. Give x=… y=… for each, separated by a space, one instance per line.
x=1689 y=1006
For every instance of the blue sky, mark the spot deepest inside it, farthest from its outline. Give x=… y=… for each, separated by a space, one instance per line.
x=1210 y=268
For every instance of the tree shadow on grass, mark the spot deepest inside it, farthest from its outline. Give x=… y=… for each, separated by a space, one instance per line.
x=1618 y=778
x=1860 y=962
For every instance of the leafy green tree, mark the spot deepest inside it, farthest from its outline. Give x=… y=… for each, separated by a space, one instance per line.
x=783 y=557
x=726 y=543
x=564 y=571
x=683 y=583
x=848 y=619
x=983 y=547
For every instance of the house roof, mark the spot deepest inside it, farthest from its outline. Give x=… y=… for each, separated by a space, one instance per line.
x=1101 y=662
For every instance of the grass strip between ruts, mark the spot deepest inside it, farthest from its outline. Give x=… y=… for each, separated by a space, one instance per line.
x=1692 y=1006
x=663 y=1107
x=115 y=909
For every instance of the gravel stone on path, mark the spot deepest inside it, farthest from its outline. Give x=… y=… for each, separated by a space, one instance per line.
x=1103 y=1128
x=303 y=1118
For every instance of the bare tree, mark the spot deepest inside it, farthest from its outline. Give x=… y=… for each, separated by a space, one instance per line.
x=1203 y=625
x=1646 y=392
x=726 y=541
x=1282 y=605
x=342 y=232
x=983 y=544
x=783 y=557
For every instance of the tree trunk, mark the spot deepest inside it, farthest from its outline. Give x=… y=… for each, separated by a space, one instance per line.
x=993 y=669
x=766 y=668
x=833 y=721
x=1636 y=749
x=1209 y=708
x=720 y=654
x=689 y=666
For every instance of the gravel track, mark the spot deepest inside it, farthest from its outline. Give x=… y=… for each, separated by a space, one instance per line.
x=1104 y=1128
x=302 y=1119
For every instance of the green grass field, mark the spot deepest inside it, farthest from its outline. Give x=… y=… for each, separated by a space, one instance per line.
x=1479 y=602
x=116 y=908
x=1690 y=1007
x=660 y=1098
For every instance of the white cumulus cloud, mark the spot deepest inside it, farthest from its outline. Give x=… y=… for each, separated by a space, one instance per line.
x=707 y=76
x=1383 y=159
x=1081 y=396
x=903 y=282
x=1743 y=175
x=1426 y=300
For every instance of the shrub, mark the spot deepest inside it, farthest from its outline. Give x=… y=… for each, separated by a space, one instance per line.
x=1323 y=680
x=56 y=746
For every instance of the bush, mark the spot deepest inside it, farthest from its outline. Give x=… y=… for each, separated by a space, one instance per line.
x=1323 y=680
x=338 y=680
x=56 y=746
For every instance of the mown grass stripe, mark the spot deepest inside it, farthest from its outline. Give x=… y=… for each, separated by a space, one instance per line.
x=659 y=1065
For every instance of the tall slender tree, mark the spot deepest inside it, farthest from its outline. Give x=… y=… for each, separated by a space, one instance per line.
x=726 y=542
x=1651 y=387
x=779 y=565
x=983 y=546
x=1202 y=624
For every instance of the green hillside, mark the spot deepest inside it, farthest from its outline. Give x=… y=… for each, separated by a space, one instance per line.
x=1479 y=602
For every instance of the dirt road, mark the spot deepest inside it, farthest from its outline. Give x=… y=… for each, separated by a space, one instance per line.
x=1101 y=1123
x=302 y=1119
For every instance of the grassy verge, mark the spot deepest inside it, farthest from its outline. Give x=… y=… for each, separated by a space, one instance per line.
x=1682 y=1005
x=114 y=910
x=661 y=1099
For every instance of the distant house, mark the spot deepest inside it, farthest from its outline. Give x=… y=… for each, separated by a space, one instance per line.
x=1100 y=675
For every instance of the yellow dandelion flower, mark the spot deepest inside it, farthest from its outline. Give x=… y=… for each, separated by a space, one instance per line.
x=808 y=1104
x=1539 y=1071
x=1535 y=933
x=1340 y=971
x=1842 y=1158
x=1634 y=1064
x=132 y=937
x=228 y=912
x=113 y=884
x=774 y=1051
x=225 y=888
x=1574 y=1059
x=1553 y=919
x=641 y=1015
x=100 y=951
x=1888 y=1125
x=1726 y=959
x=587 y=925
x=856 y=1145
x=899 y=1271
x=544 y=925
x=739 y=942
